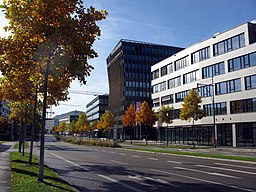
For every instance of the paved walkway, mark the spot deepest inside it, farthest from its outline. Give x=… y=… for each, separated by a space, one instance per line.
x=245 y=152
x=5 y=170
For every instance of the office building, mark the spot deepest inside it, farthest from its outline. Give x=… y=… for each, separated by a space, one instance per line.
x=68 y=117
x=223 y=68
x=96 y=107
x=4 y=109
x=129 y=74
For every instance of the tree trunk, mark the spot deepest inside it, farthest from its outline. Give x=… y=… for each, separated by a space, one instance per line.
x=131 y=134
x=41 y=161
x=167 y=136
x=193 y=128
x=33 y=129
x=146 y=135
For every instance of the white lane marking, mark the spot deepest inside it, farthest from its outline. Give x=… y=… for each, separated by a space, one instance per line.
x=103 y=150
x=122 y=154
x=230 y=165
x=159 y=181
x=119 y=162
x=70 y=162
x=120 y=183
x=225 y=169
x=154 y=159
x=112 y=152
x=205 y=172
x=177 y=162
x=94 y=156
x=135 y=156
x=203 y=180
x=134 y=177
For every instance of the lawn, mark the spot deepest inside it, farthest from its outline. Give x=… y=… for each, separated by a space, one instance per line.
x=16 y=146
x=24 y=176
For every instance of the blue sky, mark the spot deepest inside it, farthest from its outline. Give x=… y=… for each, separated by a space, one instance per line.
x=170 y=22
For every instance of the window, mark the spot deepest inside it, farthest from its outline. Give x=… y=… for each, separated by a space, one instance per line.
x=155 y=74
x=213 y=70
x=159 y=87
x=156 y=102
x=229 y=45
x=228 y=86
x=176 y=113
x=166 y=100
x=205 y=91
x=175 y=82
x=167 y=69
x=220 y=109
x=190 y=77
x=243 y=106
x=250 y=82
x=201 y=55
x=181 y=63
x=241 y=62
x=179 y=97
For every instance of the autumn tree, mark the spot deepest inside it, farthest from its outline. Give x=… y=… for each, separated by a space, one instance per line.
x=82 y=123
x=191 y=109
x=129 y=118
x=165 y=115
x=61 y=127
x=4 y=125
x=55 y=37
x=92 y=127
x=106 y=122
x=146 y=116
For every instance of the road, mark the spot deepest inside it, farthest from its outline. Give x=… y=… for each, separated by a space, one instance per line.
x=119 y=170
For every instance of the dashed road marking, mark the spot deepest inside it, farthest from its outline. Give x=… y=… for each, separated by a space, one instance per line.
x=177 y=162
x=119 y=162
x=154 y=159
x=135 y=156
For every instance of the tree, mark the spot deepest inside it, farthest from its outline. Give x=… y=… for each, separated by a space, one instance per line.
x=165 y=115
x=55 y=37
x=146 y=116
x=191 y=109
x=129 y=119
x=106 y=122
x=82 y=123
x=61 y=127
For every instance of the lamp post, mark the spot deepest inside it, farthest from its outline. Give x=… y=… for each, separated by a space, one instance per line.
x=213 y=109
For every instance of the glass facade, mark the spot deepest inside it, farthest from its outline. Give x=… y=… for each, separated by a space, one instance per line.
x=250 y=82
x=220 y=109
x=243 y=106
x=229 y=44
x=246 y=134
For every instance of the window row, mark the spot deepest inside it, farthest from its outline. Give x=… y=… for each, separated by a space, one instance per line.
x=230 y=86
x=230 y=44
x=201 y=55
x=137 y=84
x=243 y=106
x=191 y=77
x=174 y=82
x=213 y=70
x=242 y=62
x=181 y=63
x=219 y=109
x=137 y=94
x=159 y=87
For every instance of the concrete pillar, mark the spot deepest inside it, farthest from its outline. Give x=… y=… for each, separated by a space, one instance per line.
x=234 y=134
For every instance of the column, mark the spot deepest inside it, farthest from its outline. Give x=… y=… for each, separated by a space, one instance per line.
x=234 y=134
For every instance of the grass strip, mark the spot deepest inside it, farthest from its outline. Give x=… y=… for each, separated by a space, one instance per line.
x=24 y=176
x=2 y=142
x=217 y=156
x=16 y=146
x=172 y=146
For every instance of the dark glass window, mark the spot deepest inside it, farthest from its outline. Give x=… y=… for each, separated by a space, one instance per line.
x=163 y=70
x=241 y=62
x=176 y=114
x=213 y=70
x=179 y=97
x=156 y=102
x=220 y=109
x=155 y=74
x=228 y=86
x=166 y=100
x=229 y=45
x=243 y=106
x=250 y=82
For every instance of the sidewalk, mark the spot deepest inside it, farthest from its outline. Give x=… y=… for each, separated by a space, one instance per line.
x=240 y=151
x=5 y=170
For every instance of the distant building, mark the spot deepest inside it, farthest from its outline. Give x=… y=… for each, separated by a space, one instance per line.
x=223 y=66
x=129 y=74
x=4 y=109
x=50 y=123
x=68 y=117
x=97 y=107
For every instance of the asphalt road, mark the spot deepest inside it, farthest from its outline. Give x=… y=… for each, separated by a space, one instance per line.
x=119 y=170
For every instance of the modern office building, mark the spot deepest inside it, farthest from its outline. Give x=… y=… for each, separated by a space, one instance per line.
x=222 y=69
x=4 y=109
x=96 y=107
x=68 y=117
x=129 y=74
x=49 y=124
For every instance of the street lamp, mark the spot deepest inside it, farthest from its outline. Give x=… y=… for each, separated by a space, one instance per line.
x=213 y=107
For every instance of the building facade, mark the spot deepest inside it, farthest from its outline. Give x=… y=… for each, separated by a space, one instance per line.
x=129 y=74
x=97 y=107
x=49 y=124
x=223 y=70
x=68 y=117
